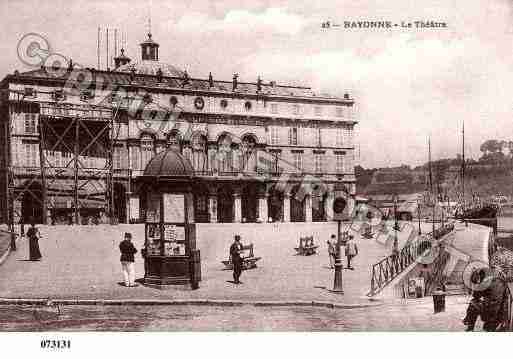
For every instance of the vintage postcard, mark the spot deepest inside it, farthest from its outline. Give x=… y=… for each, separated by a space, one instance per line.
x=249 y=166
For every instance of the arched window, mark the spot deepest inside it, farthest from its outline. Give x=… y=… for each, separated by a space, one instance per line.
x=248 y=153
x=147 y=149
x=174 y=140
x=224 y=154
x=199 y=152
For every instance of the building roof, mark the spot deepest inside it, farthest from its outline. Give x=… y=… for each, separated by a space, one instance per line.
x=172 y=79
x=151 y=67
x=169 y=163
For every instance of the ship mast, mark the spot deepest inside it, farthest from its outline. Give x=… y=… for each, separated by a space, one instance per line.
x=463 y=168
x=431 y=183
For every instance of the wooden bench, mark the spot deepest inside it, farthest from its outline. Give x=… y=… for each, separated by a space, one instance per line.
x=306 y=246
x=248 y=258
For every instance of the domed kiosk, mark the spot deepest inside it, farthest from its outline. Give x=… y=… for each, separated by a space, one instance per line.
x=170 y=254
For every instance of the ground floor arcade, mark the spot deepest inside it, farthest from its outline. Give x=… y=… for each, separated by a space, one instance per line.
x=216 y=201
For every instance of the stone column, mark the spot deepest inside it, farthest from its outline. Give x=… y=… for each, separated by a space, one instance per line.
x=286 y=207
x=328 y=206
x=308 y=208
x=237 y=206
x=128 y=212
x=263 y=214
x=212 y=205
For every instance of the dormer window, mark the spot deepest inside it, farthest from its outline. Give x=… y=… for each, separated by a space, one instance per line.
x=86 y=95
x=29 y=92
x=58 y=95
x=147 y=98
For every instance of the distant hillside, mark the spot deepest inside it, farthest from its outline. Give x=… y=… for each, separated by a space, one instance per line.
x=485 y=179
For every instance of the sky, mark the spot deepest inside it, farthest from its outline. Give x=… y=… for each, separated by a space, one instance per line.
x=408 y=84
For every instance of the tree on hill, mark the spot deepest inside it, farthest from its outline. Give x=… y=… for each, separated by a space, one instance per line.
x=491 y=147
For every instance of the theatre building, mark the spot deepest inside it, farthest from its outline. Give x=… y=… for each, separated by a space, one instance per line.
x=74 y=142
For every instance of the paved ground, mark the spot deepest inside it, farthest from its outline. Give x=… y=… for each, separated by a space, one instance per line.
x=83 y=262
x=416 y=315
x=5 y=242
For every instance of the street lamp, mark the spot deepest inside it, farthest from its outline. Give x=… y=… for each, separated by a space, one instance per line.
x=339 y=204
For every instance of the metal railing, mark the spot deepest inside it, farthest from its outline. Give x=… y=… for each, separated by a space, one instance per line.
x=390 y=267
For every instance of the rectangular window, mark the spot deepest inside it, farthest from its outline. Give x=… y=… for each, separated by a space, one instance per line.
x=316 y=134
x=275 y=138
x=339 y=137
x=318 y=157
x=339 y=112
x=117 y=158
x=318 y=111
x=293 y=136
x=295 y=109
x=339 y=163
x=66 y=159
x=298 y=160
x=274 y=108
x=30 y=123
x=31 y=155
x=347 y=137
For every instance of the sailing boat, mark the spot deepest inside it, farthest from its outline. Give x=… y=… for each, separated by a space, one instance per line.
x=485 y=214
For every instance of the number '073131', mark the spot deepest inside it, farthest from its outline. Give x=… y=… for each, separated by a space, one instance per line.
x=55 y=344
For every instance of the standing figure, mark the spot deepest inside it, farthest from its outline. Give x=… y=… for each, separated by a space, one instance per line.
x=22 y=228
x=235 y=255
x=351 y=251
x=331 y=251
x=127 y=260
x=33 y=236
x=488 y=300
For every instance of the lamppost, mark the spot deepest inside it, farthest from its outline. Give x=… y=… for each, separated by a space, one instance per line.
x=339 y=204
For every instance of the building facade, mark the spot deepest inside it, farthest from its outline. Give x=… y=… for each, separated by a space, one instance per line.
x=75 y=141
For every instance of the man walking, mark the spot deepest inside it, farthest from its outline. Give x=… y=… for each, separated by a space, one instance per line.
x=351 y=251
x=488 y=300
x=331 y=251
x=127 y=260
x=235 y=252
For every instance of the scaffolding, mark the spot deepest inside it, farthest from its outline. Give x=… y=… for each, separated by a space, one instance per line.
x=75 y=173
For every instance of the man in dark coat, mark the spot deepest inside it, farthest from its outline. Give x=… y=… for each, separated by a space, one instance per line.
x=33 y=237
x=235 y=255
x=127 y=260
x=488 y=300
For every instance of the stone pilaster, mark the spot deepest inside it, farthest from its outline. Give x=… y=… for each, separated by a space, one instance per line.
x=286 y=207
x=212 y=204
x=328 y=203
x=237 y=207
x=263 y=214
x=308 y=208
x=212 y=208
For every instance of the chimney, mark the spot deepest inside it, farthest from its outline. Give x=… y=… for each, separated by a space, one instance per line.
x=234 y=87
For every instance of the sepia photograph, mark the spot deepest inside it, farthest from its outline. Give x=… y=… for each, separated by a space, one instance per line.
x=255 y=166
